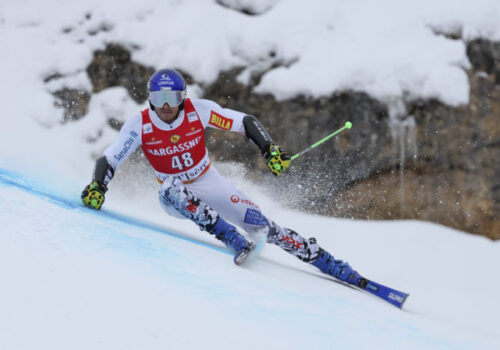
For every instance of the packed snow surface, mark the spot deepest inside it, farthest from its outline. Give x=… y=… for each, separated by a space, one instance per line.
x=131 y=277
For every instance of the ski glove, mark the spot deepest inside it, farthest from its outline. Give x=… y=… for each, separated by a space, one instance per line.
x=277 y=159
x=93 y=195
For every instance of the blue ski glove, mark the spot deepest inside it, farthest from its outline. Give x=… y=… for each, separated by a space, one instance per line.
x=93 y=195
x=277 y=159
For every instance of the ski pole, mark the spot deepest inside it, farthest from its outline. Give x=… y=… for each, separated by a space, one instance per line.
x=347 y=125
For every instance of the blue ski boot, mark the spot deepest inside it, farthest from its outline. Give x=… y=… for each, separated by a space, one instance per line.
x=337 y=268
x=229 y=235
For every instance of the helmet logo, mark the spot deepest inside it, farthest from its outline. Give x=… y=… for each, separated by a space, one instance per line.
x=165 y=80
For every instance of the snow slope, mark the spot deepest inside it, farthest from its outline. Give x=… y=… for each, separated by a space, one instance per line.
x=76 y=278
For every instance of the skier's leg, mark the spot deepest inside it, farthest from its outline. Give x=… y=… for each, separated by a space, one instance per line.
x=309 y=251
x=235 y=206
x=222 y=195
x=177 y=199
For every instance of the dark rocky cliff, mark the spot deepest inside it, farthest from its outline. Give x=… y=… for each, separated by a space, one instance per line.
x=423 y=160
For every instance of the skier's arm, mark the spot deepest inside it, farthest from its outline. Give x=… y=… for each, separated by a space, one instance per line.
x=103 y=172
x=128 y=141
x=214 y=116
x=277 y=158
x=256 y=132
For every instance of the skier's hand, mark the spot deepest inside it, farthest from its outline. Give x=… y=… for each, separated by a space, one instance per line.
x=277 y=159
x=93 y=195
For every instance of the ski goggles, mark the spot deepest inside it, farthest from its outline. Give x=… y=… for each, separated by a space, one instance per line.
x=173 y=98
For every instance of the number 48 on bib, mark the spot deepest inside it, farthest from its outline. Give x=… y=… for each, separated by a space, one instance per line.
x=185 y=160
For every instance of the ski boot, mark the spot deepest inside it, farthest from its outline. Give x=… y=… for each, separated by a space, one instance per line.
x=338 y=269
x=243 y=254
x=230 y=236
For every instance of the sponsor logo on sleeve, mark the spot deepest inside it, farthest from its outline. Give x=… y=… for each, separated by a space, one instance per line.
x=126 y=146
x=220 y=122
x=147 y=128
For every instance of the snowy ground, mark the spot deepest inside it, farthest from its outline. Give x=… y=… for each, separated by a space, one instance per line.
x=79 y=279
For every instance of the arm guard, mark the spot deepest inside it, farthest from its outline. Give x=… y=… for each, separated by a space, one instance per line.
x=103 y=172
x=256 y=132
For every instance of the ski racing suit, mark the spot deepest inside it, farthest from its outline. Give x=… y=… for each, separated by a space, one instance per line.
x=192 y=188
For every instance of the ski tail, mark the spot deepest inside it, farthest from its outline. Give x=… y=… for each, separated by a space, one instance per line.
x=393 y=296
x=241 y=256
x=251 y=252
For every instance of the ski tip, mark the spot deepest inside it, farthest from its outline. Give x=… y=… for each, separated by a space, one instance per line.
x=399 y=300
x=392 y=296
x=404 y=300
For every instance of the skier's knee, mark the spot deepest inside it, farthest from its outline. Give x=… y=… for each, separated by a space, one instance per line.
x=169 y=208
x=170 y=190
x=178 y=201
x=167 y=196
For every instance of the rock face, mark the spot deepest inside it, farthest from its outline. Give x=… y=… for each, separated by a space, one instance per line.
x=113 y=66
x=74 y=102
x=433 y=162
x=424 y=160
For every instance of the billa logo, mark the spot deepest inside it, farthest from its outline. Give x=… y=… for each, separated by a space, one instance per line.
x=175 y=138
x=220 y=122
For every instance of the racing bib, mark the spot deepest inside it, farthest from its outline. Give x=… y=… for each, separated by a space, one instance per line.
x=181 y=151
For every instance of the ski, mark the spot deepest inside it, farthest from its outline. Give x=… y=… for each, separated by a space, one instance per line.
x=252 y=252
x=243 y=255
x=393 y=296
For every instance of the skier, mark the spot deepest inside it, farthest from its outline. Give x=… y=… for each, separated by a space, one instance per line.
x=171 y=134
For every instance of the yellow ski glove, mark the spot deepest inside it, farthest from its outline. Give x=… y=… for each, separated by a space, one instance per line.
x=277 y=159
x=93 y=195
